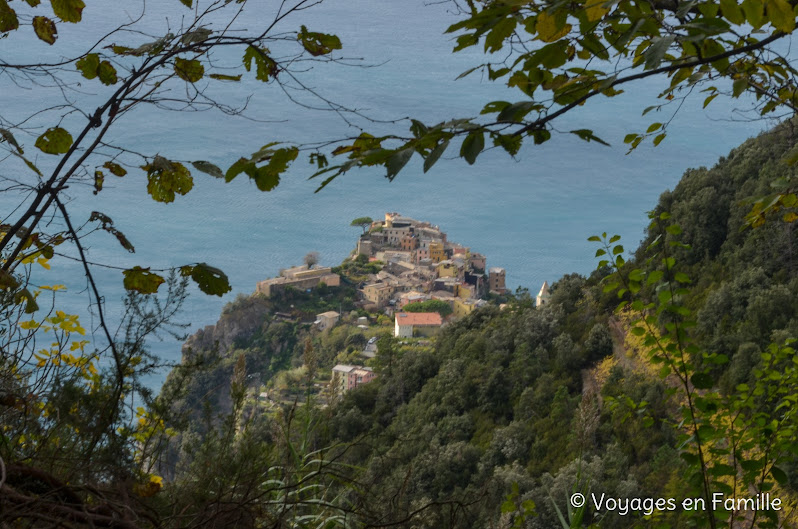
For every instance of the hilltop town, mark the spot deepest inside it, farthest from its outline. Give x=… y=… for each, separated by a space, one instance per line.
x=417 y=262
x=407 y=270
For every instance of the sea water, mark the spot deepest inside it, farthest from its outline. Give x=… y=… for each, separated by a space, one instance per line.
x=530 y=214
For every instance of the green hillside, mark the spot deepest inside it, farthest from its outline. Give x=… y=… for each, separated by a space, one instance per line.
x=507 y=412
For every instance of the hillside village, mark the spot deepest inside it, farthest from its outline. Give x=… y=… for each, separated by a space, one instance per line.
x=416 y=276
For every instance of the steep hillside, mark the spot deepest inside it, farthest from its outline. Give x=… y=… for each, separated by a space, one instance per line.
x=507 y=412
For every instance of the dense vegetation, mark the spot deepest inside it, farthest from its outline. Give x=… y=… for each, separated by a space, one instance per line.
x=493 y=423
x=503 y=415
x=510 y=411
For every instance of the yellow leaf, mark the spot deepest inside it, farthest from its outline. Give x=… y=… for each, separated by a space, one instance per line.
x=790 y=217
x=27 y=325
x=54 y=288
x=781 y=15
x=43 y=263
x=595 y=10
x=548 y=28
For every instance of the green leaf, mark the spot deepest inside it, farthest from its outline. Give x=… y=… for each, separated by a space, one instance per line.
x=242 y=165
x=25 y=296
x=691 y=459
x=190 y=70
x=658 y=139
x=594 y=46
x=68 y=10
x=8 y=281
x=187 y=3
x=752 y=465
x=54 y=141
x=552 y=27
x=702 y=380
x=33 y=3
x=656 y=52
x=141 y=280
x=166 y=178
x=754 y=12
x=197 y=35
x=397 y=161
x=472 y=146
x=494 y=41
x=318 y=43
x=720 y=469
x=222 y=77
x=674 y=229
x=435 y=154
x=637 y=275
x=732 y=12
x=107 y=73
x=5 y=135
x=210 y=280
x=509 y=142
x=739 y=86
x=115 y=169
x=89 y=65
x=779 y=475
x=208 y=168
x=45 y=29
x=516 y=112
x=99 y=179
x=588 y=136
x=264 y=65
x=8 y=18
x=595 y=10
x=541 y=136
x=268 y=177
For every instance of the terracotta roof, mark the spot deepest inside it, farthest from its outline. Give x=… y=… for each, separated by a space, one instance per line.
x=418 y=318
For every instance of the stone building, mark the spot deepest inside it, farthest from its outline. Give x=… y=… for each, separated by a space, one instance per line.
x=496 y=280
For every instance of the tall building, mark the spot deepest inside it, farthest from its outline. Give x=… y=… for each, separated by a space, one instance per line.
x=496 y=280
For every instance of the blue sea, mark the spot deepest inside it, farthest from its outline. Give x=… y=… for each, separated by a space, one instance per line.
x=531 y=215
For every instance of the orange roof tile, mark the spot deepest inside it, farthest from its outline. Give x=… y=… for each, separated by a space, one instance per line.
x=418 y=318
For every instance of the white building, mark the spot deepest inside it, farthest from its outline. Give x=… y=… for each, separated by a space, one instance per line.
x=544 y=295
x=325 y=320
x=423 y=323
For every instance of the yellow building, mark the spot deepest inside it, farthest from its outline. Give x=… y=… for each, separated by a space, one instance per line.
x=378 y=293
x=436 y=252
x=447 y=269
x=463 y=307
x=465 y=291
